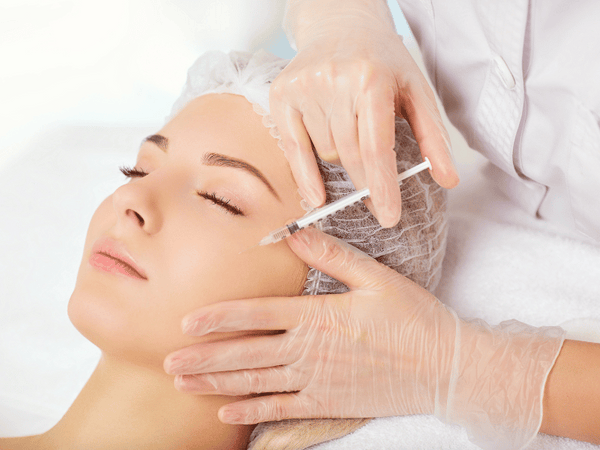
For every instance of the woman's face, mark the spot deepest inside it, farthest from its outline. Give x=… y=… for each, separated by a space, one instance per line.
x=217 y=183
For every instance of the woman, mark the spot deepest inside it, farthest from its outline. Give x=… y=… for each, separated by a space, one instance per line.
x=205 y=189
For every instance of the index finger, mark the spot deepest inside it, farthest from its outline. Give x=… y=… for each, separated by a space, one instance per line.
x=326 y=253
x=245 y=315
x=297 y=148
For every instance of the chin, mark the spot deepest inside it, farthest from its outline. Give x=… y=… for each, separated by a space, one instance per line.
x=112 y=326
x=131 y=329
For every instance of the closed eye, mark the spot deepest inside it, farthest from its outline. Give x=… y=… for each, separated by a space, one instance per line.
x=222 y=202
x=132 y=172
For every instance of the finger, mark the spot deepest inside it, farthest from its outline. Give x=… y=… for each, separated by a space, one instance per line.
x=318 y=126
x=245 y=315
x=339 y=260
x=344 y=129
x=376 y=133
x=319 y=250
x=266 y=409
x=234 y=354
x=297 y=147
x=422 y=114
x=242 y=382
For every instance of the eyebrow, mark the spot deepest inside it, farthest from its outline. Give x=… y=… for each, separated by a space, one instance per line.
x=219 y=160
x=161 y=141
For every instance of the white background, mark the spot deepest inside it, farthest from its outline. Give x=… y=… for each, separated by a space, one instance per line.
x=117 y=62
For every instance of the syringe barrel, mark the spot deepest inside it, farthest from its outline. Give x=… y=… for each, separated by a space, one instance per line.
x=332 y=208
x=414 y=170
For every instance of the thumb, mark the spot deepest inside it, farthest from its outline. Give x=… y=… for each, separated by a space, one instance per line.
x=339 y=259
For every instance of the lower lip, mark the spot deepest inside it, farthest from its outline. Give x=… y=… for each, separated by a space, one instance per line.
x=112 y=265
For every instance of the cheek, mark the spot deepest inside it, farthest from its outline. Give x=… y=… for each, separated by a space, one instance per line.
x=100 y=306
x=196 y=262
x=216 y=268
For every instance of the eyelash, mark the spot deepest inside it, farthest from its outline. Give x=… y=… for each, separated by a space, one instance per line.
x=222 y=202
x=132 y=172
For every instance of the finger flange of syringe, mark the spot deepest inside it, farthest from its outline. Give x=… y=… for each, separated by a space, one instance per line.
x=331 y=208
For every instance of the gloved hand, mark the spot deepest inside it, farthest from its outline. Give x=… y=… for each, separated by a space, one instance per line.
x=387 y=347
x=350 y=77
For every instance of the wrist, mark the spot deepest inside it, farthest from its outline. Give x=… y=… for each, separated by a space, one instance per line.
x=571 y=393
x=497 y=385
x=308 y=20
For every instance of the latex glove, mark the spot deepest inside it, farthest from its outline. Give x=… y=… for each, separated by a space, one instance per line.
x=387 y=347
x=352 y=74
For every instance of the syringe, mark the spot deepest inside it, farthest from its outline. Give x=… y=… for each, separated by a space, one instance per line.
x=330 y=209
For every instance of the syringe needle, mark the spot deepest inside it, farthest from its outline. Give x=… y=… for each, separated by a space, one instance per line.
x=270 y=238
x=249 y=248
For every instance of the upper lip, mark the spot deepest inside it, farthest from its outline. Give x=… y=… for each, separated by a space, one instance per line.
x=117 y=250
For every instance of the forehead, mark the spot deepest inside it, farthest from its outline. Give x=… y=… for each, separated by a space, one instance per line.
x=224 y=123
x=227 y=124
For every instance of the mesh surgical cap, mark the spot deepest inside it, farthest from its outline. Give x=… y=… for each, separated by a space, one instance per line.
x=415 y=247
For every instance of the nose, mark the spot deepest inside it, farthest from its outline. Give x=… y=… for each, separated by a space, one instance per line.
x=136 y=207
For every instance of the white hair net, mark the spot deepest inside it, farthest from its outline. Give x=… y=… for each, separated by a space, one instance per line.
x=241 y=73
x=415 y=247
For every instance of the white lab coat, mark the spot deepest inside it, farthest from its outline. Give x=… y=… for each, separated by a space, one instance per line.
x=521 y=80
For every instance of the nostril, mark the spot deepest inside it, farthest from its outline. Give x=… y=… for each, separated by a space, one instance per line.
x=140 y=218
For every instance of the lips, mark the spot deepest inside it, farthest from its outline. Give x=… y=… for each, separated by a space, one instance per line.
x=112 y=256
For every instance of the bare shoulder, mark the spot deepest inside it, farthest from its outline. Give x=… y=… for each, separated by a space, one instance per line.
x=18 y=443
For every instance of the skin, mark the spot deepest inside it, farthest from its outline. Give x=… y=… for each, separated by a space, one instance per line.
x=189 y=247
x=572 y=393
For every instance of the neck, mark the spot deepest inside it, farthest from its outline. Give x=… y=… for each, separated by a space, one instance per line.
x=129 y=406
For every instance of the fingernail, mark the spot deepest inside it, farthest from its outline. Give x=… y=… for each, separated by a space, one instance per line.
x=180 y=383
x=390 y=220
x=448 y=143
x=394 y=214
x=177 y=365
x=198 y=383
x=312 y=196
x=301 y=237
x=195 y=327
x=388 y=208
x=209 y=382
x=449 y=151
x=231 y=417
